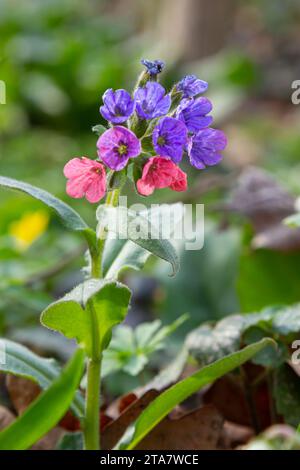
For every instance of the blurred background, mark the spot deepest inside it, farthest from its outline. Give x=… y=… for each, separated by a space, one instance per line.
x=57 y=57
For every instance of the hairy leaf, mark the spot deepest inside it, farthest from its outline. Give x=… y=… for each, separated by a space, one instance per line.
x=22 y=362
x=137 y=232
x=73 y=314
x=45 y=412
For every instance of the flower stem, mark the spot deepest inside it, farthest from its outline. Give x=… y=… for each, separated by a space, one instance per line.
x=92 y=404
x=92 y=411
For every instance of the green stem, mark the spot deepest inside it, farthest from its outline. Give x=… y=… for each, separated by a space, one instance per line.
x=92 y=405
x=92 y=422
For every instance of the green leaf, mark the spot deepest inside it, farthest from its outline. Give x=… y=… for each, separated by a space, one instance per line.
x=269 y=356
x=165 y=402
x=22 y=362
x=120 y=254
x=293 y=220
x=207 y=344
x=99 y=129
x=70 y=218
x=287 y=394
x=130 y=349
x=45 y=412
x=170 y=373
x=71 y=441
x=73 y=314
x=287 y=320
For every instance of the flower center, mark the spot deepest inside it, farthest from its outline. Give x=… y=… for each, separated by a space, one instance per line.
x=122 y=149
x=161 y=140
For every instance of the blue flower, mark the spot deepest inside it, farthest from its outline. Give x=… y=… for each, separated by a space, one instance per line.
x=205 y=148
x=193 y=113
x=151 y=101
x=191 y=86
x=169 y=138
x=153 y=67
x=118 y=106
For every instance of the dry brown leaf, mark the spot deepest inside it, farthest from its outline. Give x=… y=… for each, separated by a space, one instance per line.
x=229 y=398
x=6 y=417
x=50 y=440
x=234 y=435
x=197 y=430
x=21 y=392
x=115 y=430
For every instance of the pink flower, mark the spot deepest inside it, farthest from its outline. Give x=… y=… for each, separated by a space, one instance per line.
x=160 y=172
x=85 y=178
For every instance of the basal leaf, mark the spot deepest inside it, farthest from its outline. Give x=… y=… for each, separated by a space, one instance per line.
x=287 y=320
x=120 y=254
x=22 y=362
x=69 y=216
x=130 y=349
x=287 y=394
x=207 y=344
x=165 y=402
x=73 y=314
x=45 y=412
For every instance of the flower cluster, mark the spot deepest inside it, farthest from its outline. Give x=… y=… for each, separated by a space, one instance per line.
x=153 y=130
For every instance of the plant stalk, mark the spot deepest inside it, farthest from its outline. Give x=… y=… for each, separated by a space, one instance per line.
x=92 y=405
x=92 y=411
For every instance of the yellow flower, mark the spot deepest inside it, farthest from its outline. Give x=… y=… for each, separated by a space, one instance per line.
x=29 y=228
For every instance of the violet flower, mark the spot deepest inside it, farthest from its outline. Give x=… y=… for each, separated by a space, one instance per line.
x=116 y=146
x=154 y=67
x=193 y=113
x=118 y=106
x=191 y=86
x=205 y=148
x=169 y=138
x=151 y=101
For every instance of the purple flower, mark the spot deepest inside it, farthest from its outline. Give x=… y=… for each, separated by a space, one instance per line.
x=205 y=147
x=169 y=138
x=151 y=101
x=193 y=113
x=116 y=146
x=118 y=106
x=153 y=67
x=191 y=86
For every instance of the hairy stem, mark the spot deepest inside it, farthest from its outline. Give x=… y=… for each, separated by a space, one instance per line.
x=92 y=405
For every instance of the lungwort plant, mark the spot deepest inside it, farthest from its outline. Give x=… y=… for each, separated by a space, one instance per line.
x=148 y=134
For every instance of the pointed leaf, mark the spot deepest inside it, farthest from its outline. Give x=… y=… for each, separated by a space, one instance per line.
x=22 y=362
x=120 y=254
x=165 y=402
x=69 y=216
x=45 y=412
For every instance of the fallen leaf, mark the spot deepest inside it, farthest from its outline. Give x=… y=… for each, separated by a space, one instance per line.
x=21 y=392
x=6 y=417
x=115 y=430
x=50 y=440
x=234 y=435
x=197 y=430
